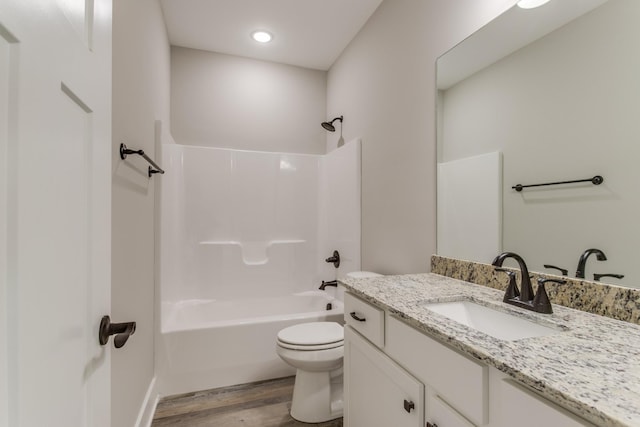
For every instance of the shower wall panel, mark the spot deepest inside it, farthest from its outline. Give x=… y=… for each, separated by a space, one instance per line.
x=238 y=224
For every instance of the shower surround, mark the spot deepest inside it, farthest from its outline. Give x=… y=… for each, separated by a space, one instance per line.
x=243 y=238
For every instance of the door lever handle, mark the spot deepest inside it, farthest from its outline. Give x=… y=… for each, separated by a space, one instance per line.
x=122 y=331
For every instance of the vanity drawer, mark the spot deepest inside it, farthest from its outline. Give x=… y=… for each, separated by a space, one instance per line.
x=459 y=380
x=365 y=318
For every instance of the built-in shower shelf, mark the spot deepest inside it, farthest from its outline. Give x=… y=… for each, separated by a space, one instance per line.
x=253 y=252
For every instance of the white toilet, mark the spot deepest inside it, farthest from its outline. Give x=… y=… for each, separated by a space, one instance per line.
x=316 y=350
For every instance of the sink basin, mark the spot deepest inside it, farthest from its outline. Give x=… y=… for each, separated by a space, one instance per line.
x=492 y=322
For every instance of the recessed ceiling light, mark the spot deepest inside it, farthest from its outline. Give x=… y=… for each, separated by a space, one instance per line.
x=531 y=4
x=261 y=36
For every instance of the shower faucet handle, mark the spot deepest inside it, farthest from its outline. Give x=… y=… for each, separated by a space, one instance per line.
x=335 y=259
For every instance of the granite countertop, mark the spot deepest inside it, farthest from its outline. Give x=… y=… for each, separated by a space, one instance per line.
x=592 y=366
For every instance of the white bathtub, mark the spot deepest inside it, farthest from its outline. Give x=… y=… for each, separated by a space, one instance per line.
x=209 y=343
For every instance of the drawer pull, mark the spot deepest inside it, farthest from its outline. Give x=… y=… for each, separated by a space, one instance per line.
x=408 y=406
x=355 y=316
x=432 y=425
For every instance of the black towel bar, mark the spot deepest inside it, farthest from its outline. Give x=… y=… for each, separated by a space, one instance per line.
x=124 y=151
x=596 y=180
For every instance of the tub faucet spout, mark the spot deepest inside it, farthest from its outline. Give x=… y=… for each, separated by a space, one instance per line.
x=329 y=283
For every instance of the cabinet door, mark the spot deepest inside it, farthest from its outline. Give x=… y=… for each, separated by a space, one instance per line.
x=538 y=411
x=440 y=414
x=461 y=381
x=378 y=392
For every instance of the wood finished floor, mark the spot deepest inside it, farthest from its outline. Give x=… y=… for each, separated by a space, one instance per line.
x=260 y=404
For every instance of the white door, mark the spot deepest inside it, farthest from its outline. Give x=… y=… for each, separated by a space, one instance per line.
x=55 y=204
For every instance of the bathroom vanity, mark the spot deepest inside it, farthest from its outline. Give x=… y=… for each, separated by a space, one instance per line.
x=406 y=365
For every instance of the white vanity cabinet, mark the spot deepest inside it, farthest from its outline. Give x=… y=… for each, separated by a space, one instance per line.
x=378 y=391
x=441 y=414
x=388 y=362
x=528 y=408
x=458 y=386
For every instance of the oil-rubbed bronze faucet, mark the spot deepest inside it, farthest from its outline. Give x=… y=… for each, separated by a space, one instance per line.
x=335 y=259
x=524 y=298
x=600 y=256
x=597 y=277
x=541 y=302
x=329 y=283
x=526 y=291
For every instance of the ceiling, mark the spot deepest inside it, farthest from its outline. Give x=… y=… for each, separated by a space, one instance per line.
x=307 y=33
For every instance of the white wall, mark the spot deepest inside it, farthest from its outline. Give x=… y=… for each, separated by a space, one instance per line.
x=5 y=55
x=141 y=87
x=228 y=101
x=562 y=108
x=384 y=85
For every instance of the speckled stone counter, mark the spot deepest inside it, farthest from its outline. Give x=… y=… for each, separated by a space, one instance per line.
x=591 y=366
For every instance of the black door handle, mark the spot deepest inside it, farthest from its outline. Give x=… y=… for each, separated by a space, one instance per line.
x=122 y=331
x=355 y=316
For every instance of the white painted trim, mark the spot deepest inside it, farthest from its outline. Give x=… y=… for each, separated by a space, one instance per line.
x=148 y=408
x=8 y=93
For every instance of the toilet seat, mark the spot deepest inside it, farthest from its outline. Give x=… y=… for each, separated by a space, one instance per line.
x=316 y=350
x=312 y=336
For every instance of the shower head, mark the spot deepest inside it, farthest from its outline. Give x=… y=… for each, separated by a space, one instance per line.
x=329 y=125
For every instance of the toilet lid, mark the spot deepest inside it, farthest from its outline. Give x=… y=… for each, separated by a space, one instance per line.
x=311 y=347
x=312 y=334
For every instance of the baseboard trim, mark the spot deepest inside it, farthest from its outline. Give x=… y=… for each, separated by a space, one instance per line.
x=148 y=408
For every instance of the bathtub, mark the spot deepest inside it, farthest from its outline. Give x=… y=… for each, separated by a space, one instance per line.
x=210 y=343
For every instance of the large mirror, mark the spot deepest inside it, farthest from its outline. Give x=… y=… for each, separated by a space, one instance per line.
x=555 y=91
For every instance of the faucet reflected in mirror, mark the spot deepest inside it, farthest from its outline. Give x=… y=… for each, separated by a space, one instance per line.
x=563 y=271
x=582 y=262
x=597 y=277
